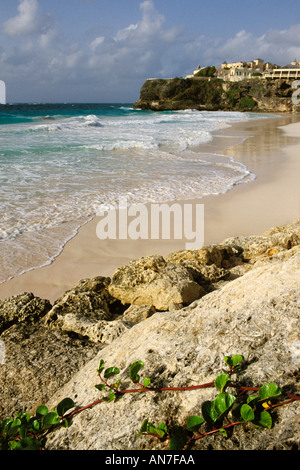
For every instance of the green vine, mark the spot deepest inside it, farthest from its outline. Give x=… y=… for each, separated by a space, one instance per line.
x=227 y=410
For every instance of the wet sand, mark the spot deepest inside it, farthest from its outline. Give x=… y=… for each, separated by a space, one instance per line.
x=270 y=148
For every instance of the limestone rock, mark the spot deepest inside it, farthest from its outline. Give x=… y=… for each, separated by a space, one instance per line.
x=205 y=265
x=206 y=256
x=254 y=312
x=98 y=331
x=256 y=315
x=138 y=313
x=89 y=297
x=45 y=346
x=81 y=301
x=153 y=281
x=22 y=307
x=89 y=311
x=38 y=361
x=269 y=245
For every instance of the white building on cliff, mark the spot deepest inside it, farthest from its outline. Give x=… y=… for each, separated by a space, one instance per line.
x=2 y=92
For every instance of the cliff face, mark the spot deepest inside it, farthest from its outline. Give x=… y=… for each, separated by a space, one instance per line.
x=204 y=94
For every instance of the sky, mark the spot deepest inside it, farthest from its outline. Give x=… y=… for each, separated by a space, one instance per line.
x=102 y=51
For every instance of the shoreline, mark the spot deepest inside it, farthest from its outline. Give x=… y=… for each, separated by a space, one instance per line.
x=268 y=147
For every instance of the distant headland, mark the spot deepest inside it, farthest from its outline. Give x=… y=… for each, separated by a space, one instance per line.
x=240 y=86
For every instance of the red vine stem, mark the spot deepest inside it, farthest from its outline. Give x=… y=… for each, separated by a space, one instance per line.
x=144 y=389
x=190 y=387
x=214 y=431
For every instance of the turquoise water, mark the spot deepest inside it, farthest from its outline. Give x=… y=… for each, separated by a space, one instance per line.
x=60 y=163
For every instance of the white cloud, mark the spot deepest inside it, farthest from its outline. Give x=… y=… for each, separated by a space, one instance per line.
x=136 y=50
x=275 y=46
x=25 y=21
x=139 y=49
x=96 y=42
x=46 y=38
x=125 y=33
x=152 y=21
x=150 y=26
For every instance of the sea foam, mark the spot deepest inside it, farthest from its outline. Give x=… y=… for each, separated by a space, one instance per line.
x=60 y=163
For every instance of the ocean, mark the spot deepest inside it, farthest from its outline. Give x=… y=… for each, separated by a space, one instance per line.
x=60 y=162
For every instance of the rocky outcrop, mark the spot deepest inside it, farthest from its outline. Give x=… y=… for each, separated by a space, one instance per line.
x=211 y=94
x=154 y=281
x=256 y=315
x=88 y=311
x=37 y=362
x=24 y=307
x=243 y=298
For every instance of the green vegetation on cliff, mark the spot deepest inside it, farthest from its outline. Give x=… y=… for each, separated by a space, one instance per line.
x=206 y=72
x=212 y=94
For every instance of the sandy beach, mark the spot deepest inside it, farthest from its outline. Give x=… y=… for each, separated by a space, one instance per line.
x=270 y=148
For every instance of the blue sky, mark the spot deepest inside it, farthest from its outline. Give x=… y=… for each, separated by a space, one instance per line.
x=103 y=50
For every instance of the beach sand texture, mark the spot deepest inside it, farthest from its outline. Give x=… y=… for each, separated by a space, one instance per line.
x=270 y=148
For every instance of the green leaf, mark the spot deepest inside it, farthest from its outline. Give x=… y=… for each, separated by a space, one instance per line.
x=209 y=413
x=194 y=423
x=65 y=423
x=13 y=429
x=111 y=396
x=144 y=427
x=264 y=420
x=134 y=369
x=223 y=402
x=146 y=381
x=223 y=432
x=35 y=425
x=42 y=410
x=151 y=428
x=247 y=413
x=269 y=390
x=163 y=426
x=65 y=405
x=50 y=419
x=179 y=438
x=233 y=361
x=16 y=422
x=14 y=445
x=101 y=366
x=110 y=372
x=6 y=425
x=100 y=387
x=158 y=431
x=253 y=398
x=23 y=431
x=30 y=443
x=221 y=382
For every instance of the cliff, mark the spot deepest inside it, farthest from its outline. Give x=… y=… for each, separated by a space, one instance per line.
x=212 y=94
x=239 y=297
